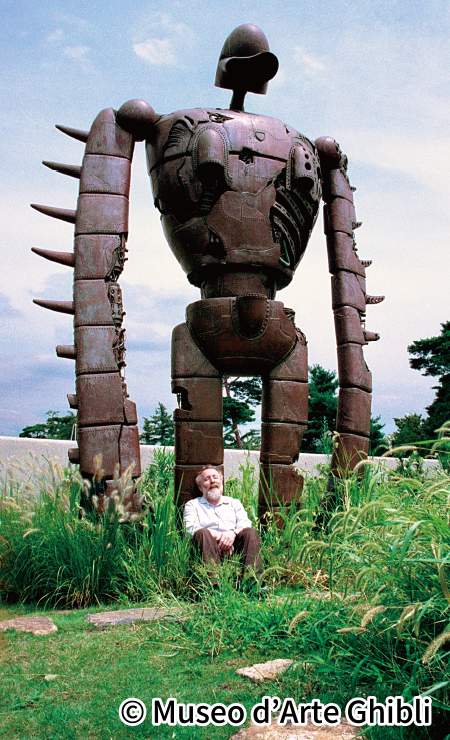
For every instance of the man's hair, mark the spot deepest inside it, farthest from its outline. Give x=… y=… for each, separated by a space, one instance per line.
x=207 y=467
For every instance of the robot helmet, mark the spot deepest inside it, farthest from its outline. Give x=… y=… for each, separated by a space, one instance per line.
x=246 y=63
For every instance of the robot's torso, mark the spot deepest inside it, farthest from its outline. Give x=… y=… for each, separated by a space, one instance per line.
x=238 y=193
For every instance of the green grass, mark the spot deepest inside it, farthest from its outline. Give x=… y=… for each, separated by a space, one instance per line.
x=360 y=603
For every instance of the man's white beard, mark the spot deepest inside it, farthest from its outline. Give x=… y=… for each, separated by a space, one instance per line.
x=213 y=494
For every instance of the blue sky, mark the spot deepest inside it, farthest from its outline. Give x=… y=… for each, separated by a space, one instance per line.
x=375 y=75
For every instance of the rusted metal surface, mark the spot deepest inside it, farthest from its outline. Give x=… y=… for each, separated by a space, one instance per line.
x=280 y=485
x=242 y=347
x=239 y=195
x=280 y=443
x=196 y=441
x=284 y=401
x=200 y=399
x=107 y=419
x=349 y=301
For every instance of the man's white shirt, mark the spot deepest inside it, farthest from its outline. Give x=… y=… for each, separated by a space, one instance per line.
x=228 y=514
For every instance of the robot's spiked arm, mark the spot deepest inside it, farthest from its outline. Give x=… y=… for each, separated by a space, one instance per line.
x=107 y=420
x=349 y=299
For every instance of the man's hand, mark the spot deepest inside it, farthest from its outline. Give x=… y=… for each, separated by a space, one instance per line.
x=226 y=540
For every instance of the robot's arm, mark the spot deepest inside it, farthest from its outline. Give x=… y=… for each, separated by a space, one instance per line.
x=349 y=299
x=107 y=419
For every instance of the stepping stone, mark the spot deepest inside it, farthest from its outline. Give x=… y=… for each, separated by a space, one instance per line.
x=344 y=731
x=36 y=625
x=265 y=671
x=128 y=616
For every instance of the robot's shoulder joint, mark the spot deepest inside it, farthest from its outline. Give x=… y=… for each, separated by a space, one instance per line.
x=329 y=151
x=137 y=117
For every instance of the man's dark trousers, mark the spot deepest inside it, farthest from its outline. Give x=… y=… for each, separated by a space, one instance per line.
x=247 y=544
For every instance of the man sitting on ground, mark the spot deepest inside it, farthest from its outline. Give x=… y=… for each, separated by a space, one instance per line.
x=219 y=524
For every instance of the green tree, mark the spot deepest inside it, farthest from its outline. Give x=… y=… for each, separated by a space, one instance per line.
x=323 y=385
x=159 y=429
x=323 y=401
x=378 y=441
x=56 y=427
x=411 y=428
x=241 y=396
x=433 y=356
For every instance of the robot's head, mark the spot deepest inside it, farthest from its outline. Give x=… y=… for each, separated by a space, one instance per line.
x=246 y=63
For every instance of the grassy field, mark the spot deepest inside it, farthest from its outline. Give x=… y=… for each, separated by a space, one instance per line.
x=358 y=599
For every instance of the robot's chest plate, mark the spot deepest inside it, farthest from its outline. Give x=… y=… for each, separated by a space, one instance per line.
x=233 y=188
x=175 y=134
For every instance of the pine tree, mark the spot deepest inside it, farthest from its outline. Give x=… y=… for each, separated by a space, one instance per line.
x=56 y=427
x=241 y=396
x=433 y=356
x=159 y=429
x=411 y=428
x=323 y=385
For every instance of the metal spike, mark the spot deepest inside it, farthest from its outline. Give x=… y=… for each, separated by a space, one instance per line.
x=373 y=299
x=366 y=263
x=63 y=258
x=66 y=350
x=370 y=336
x=73 y=400
x=74 y=133
x=60 y=306
x=74 y=455
x=65 y=214
x=73 y=170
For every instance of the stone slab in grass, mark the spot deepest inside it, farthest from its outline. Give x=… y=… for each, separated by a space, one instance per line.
x=36 y=625
x=344 y=731
x=128 y=616
x=265 y=671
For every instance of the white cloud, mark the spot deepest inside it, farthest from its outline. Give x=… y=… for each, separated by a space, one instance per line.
x=56 y=35
x=160 y=39
x=79 y=53
x=156 y=51
x=166 y=21
x=311 y=65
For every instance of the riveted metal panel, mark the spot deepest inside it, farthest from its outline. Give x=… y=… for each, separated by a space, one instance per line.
x=199 y=442
x=279 y=485
x=94 y=441
x=95 y=349
x=352 y=368
x=200 y=398
x=101 y=214
x=353 y=414
x=280 y=443
x=129 y=451
x=98 y=256
x=187 y=359
x=285 y=401
x=105 y=174
x=346 y=290
x=100 y=399
x=92 y=305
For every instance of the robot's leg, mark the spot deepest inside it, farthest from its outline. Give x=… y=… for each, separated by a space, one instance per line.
x=198 y=420
x=284 y=422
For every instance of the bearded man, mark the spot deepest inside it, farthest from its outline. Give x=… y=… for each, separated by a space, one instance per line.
x=219 y=524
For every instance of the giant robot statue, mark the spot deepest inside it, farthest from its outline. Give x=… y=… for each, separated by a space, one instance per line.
x=238 y=195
